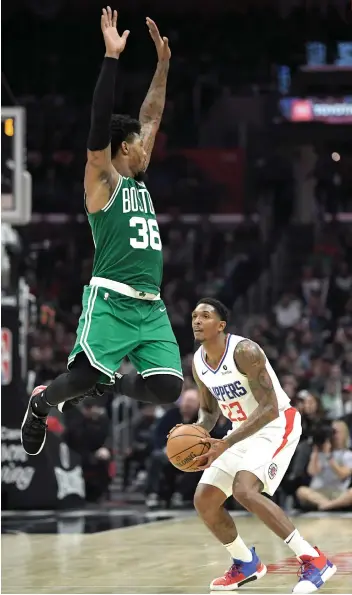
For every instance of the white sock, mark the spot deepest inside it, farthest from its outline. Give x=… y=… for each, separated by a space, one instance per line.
x=238 y=550
x=300 y=546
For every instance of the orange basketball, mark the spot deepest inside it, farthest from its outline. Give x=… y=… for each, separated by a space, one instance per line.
x=184 y=444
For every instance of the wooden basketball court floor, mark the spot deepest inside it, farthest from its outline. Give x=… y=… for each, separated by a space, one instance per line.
x=173 y=556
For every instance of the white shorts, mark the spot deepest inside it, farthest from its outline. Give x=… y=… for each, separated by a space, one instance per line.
x=266 y=454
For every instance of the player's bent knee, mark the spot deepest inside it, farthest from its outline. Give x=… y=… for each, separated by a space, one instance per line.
x=82 y=376
x=243 y=494
x=246 y=487
x=200 y=498
x=166 y=388
x=207 y=499
x=82 y=380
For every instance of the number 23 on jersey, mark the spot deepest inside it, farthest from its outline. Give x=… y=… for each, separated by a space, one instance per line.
x=234 y=411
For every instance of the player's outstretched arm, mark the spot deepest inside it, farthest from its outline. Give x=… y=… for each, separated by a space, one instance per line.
x=209 y=411
x=250 y=360
x=153 y=106
x=101 y=178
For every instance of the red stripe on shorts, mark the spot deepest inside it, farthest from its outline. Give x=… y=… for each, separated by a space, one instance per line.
x=290 y=418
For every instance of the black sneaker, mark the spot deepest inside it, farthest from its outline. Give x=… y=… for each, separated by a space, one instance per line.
x=33 y=429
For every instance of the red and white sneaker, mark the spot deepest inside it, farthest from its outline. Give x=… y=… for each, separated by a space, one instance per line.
x=313 y=573
x=239 y=574
x=33 y=428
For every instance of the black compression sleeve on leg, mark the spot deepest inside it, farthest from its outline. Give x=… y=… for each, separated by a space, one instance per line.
x=103 y=106
x=161 y=389
x=74 y=383
x=134 y=386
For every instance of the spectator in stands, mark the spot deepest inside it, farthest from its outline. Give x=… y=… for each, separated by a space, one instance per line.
x=340 y=343
x=347 y=398
x=319 y=372
x=318 y=315
x=312 y=422
x=306 y=345
x=141 y=443
x=311 y=282
x=347 y=363
x=340 y=289
x=186 y=412
x=87 y=432
x=288 y=311
x=312 y=414
x=330 y=469
x=289 y=384
x=347 y=405
x=332 y=396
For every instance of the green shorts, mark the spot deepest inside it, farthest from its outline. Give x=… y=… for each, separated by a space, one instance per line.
x=112 y=326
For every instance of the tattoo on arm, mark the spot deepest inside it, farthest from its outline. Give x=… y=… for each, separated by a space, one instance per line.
x=251 y=361
x=153 y=106
x=98 y=170
x=154 y=103
x=209 y=411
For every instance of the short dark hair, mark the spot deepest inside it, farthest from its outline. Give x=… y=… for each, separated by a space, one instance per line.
x=122 y=127
x=219 y=307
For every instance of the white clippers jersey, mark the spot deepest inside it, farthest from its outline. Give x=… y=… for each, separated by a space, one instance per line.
x=230 y=387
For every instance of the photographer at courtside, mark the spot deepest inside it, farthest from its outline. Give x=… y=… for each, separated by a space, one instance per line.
x=330 y=469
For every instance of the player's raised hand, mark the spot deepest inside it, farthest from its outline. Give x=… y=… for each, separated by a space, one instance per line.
x=161 y=43
x=114 y=43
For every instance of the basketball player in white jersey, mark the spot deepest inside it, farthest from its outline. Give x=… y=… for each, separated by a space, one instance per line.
x=235 y=378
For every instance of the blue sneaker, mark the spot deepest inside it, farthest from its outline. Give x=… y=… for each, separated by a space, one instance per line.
x=239 y=574
x=313 y=573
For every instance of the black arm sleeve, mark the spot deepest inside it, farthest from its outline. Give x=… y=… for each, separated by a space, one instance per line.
x=102 y=106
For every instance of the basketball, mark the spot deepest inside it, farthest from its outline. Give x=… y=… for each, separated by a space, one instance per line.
x=184 y=444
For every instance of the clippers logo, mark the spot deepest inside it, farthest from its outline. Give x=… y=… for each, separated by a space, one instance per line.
x=272 y=471
x=6 y=356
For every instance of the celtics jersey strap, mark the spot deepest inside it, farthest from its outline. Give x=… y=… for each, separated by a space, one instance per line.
x=126 y=237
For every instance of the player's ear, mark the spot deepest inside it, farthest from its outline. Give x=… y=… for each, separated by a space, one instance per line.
x=222 y=326
x=124 y=148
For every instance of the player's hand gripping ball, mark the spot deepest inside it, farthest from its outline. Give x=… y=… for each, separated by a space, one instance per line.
x=184 y=444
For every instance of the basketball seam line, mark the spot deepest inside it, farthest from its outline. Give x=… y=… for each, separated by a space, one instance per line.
x=188 y=447
x=183 y=435
x=201 y=454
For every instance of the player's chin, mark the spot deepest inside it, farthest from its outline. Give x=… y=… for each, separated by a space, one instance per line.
x=198 y=335
x=139 y=176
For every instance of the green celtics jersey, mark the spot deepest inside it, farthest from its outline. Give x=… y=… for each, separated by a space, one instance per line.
x=126 y=236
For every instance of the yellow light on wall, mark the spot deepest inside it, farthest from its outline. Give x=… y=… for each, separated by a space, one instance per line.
x=9 y=127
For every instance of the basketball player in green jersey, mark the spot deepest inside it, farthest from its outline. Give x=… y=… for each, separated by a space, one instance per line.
x=122 y=311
